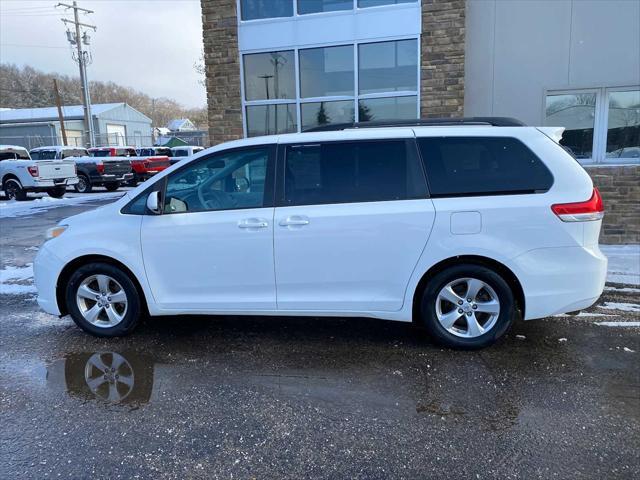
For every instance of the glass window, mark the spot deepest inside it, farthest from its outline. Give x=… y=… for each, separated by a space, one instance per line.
x=482 y=165
x=315 y=6
x=225 y=181
x=271 y=119
x=576 y=112
x=346 y=172
x=269 y=75
x=388 y=66
x=326 y=71
x=255 y=9
x=623 y=131
x=378 y=3
x=323 y=113
x=392 y=108
x=43 y=155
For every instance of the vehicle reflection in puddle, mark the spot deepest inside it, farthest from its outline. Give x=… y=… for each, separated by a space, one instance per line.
x=110 y=377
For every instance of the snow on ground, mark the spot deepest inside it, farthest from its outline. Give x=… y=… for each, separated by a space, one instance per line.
x=624 y=263
x=618 y=324
x=624 y=307
x=13 y=208
x=17 y=280
x=16 y=273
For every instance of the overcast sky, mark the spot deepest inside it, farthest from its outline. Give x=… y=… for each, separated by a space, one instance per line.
x=150 y=45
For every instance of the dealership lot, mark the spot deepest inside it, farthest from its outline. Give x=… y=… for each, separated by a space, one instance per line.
x=308 y=397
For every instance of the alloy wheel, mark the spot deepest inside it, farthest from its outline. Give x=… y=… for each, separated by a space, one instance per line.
x=467 y=307
x=102 y=301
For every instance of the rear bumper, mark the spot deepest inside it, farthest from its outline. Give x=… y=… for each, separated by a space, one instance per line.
x=41 y=185
x=46 y=270
x=110 y=178
x=560 y=280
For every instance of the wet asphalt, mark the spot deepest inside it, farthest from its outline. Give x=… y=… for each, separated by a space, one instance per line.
x=250 y=397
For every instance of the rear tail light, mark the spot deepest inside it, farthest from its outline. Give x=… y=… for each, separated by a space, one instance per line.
x=100 y=168
x=586 y=211
x=33 y=170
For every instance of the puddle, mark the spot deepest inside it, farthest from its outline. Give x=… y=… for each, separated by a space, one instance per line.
x=105 y=376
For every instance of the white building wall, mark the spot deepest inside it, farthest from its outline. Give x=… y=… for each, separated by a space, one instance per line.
x=517 y=49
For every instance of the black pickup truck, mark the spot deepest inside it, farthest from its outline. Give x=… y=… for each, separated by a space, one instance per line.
x=108 y=172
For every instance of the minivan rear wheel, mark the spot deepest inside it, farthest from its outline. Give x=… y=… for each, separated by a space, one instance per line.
x=467 y=306
x=103 y=300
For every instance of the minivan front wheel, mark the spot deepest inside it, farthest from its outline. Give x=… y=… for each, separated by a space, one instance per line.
x=103 y=300
x=467 y=306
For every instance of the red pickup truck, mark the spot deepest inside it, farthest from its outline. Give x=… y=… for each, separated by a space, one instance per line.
x=143 y=167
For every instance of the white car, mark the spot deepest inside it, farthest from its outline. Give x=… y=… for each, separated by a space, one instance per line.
x=459 y=226
x=20 y=174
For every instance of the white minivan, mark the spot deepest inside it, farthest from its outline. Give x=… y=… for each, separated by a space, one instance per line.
x=457 y=225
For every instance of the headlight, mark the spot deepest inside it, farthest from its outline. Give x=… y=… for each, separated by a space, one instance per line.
x=56 y=231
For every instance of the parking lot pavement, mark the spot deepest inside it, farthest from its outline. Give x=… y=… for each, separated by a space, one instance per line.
x=231 y=397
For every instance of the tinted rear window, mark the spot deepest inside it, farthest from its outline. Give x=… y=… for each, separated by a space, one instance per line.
x=482 y=165
x=349 y=172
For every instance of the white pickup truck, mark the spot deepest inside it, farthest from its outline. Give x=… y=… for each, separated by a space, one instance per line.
x=20 y=174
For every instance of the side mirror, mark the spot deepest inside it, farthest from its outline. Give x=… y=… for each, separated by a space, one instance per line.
x=153 y=203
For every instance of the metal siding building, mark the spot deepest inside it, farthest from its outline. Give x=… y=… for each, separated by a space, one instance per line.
x=114 y=124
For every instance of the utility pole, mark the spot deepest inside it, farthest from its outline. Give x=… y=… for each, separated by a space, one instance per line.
x=82 y=58
x=56 y=93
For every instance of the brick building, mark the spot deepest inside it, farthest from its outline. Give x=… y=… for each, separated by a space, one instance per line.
x=276 y=66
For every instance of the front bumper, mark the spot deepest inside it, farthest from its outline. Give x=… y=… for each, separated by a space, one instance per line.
x=46 y=271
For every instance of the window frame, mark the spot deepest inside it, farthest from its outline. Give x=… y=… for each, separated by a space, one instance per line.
x=356 y=8
x=411 y=149
x=161 y=184
x=601 y=121
x=355 y=98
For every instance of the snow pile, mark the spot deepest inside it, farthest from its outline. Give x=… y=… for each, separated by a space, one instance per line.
x=12 y=209
x=624 y=263
x=10 y=276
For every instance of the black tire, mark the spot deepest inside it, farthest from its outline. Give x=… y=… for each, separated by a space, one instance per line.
x=134 y=302
x=83 y=185
x=429 y=318
x=13 y=189
x=57 y=192
x=112 y=187
x=133 y=182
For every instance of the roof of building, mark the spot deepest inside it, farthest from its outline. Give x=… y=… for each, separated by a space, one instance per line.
x=178 y=124
x=70 y=112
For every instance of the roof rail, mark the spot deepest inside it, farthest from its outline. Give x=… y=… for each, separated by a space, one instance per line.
x=421 y=122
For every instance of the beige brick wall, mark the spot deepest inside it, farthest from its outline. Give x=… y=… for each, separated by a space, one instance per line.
x=620 y=189
x=442 y=63
x=222 y=69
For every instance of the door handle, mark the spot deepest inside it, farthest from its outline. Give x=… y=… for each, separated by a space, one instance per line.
x=294 y=221
x=253 y=223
